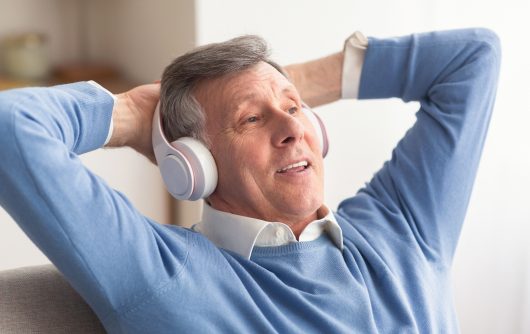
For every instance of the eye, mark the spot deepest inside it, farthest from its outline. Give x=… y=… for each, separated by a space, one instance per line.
x=252 y=119
x=292 y=110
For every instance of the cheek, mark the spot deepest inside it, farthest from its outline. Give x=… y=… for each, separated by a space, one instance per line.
x=252 y=163
x=239 y=160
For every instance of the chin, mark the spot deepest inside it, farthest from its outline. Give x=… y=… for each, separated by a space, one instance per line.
x=302 y=207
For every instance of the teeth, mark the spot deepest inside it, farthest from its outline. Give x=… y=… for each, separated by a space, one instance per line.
x=298 y=164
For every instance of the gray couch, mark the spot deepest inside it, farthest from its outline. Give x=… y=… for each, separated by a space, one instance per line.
x=39 y=300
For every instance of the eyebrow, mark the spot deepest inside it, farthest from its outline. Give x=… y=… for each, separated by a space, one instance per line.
x=289 y=91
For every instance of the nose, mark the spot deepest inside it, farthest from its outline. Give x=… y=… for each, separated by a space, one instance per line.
x=287 y=129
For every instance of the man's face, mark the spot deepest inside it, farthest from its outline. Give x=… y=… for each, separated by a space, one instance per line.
x=268 y=157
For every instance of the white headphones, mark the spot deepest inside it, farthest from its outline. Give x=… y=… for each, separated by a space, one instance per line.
x=187 y=166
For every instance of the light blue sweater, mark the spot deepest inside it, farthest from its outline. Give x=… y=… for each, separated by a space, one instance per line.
x=400 y=230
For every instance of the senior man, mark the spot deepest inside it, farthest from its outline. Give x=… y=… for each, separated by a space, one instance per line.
x=268 y=255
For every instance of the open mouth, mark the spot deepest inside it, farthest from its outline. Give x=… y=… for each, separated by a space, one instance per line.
x=294 y=168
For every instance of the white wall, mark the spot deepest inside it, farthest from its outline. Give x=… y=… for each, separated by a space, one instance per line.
x=491 y=280
x=138 y=37
x=492 y=265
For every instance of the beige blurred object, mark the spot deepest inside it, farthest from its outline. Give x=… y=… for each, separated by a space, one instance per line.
x=85 y=71
x=25 y=56
x=106 y=75
x=9 y=83
x=186 y=213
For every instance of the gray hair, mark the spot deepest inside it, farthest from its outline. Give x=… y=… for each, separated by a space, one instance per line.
x=182 y=115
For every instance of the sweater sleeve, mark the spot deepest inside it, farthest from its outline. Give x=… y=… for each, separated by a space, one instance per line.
x=106 y=249
x=426 y=185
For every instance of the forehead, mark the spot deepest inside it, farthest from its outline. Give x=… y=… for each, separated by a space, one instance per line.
x=262 y=81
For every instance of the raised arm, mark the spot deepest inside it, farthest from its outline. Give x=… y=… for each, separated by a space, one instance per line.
x=91 y=232
x=422 y=193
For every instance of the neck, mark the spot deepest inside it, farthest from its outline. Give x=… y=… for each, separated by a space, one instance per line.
x=296 y=223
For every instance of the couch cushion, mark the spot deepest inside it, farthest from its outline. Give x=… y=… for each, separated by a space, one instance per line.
x=39 y=300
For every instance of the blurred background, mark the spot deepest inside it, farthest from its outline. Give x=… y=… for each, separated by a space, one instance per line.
x=123 y=43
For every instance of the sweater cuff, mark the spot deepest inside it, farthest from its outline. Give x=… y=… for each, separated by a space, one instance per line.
x=354 y=50
x=111 y=126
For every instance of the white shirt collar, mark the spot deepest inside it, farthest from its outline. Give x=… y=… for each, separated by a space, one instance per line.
x=241 y=234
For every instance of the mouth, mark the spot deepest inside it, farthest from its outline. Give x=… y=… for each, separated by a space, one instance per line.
x=297 y=167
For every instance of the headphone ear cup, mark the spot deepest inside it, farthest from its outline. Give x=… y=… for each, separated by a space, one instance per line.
x=201 y=168
x=186 y=165
x=320 y=129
